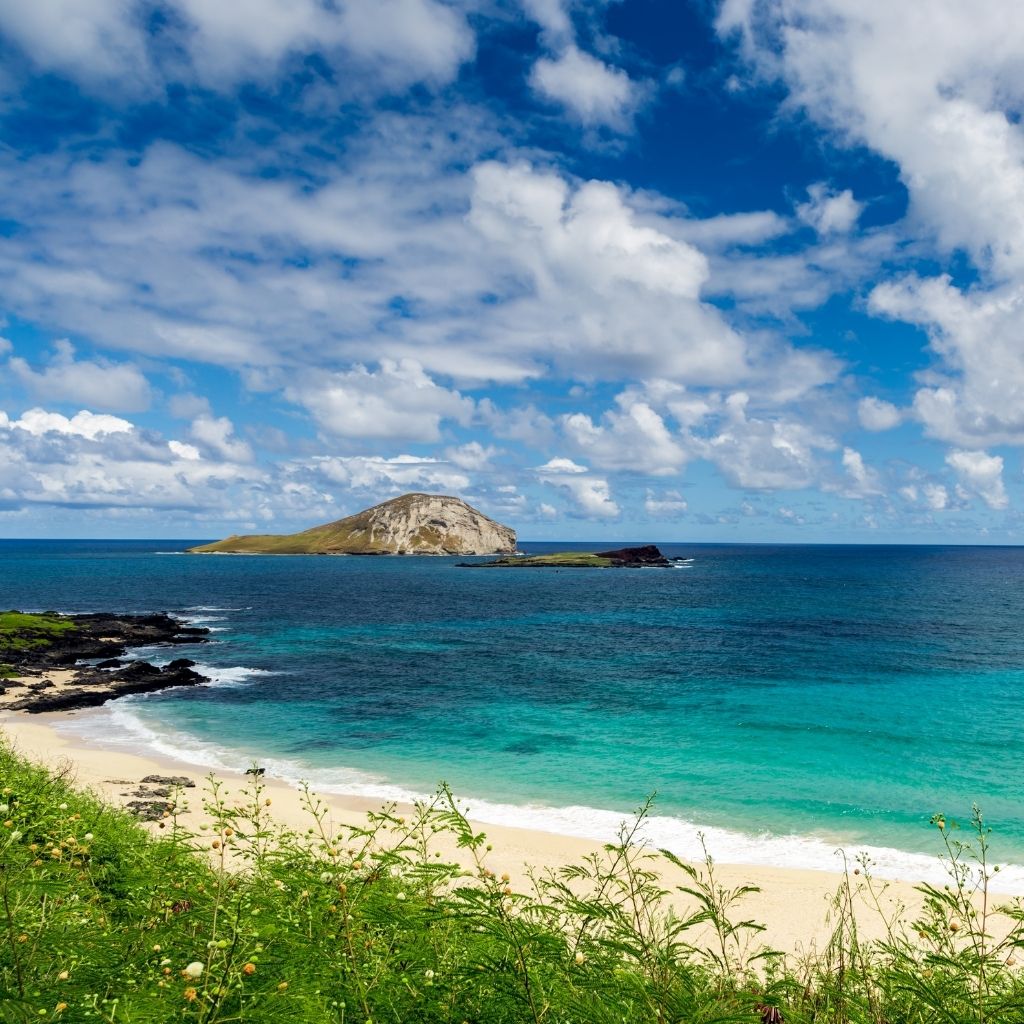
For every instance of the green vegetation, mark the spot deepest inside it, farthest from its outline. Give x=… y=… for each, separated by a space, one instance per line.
x=560 y=559
x=21 y=631
x=245 y=921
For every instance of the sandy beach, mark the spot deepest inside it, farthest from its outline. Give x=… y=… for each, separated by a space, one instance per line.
x=793 y=904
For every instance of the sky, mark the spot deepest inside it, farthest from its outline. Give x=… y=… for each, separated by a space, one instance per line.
x=676 y=270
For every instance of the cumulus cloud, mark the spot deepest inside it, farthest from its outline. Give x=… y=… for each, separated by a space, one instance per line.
x=381 y=476
x=590 y=494
x=633 y=437
x=399 y=400
x=829 y=212
x=862 y=481
x=981 y=473
x=99 y=461
x=664 y=505
x=876 y=414
x=217 y=435
x=83 y=424
x=600 y=281
x=980 y=401
x=593 y=92
x=937 y=89
x=764 y=454
x=103 y=384
x=221 y=45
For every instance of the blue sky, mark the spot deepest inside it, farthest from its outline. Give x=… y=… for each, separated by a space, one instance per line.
x=647 y=269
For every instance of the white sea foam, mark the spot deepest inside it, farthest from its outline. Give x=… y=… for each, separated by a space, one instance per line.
x=237 y=675
x=119 y=725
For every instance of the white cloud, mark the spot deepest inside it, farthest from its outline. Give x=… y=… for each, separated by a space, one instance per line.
x=561 y=465
x=980 y=401
x=595 y=93
x=217 y=436
x=667 y=505
x=829 y=212
x=185 y=451
x=877 y=414
x=936 y=88
x=397 y=401
x=982 y=473
x=862 y=481
x=600 y=283
x=591 y=494
x=633 y=438
x=764 y=454
x=223 y=44
x=82 y=424
x=472 y=455
x=120 y=387
x=936 y=497
x=381 y=475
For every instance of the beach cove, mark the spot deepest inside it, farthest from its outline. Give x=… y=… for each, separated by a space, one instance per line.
x=787 y=703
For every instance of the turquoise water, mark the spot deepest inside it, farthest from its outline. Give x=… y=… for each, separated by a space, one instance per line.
x=785 y=699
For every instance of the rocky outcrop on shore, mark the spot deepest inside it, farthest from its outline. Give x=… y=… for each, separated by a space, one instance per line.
x=41 y=658
x=643 y=557
x=414 y=524
x=639 y=557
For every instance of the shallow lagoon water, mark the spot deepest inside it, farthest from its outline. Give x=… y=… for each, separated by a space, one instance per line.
x=787 y=700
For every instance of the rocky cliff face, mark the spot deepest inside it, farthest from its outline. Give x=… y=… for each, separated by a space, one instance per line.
x=414 y=524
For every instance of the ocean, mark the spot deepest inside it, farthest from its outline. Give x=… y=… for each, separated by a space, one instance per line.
x=788 y=702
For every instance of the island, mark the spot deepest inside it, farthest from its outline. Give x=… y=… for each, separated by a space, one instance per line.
x=646 y=556
x=53 y=662
x=413 y=524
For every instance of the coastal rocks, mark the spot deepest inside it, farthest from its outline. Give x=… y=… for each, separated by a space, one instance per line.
x=41 y=656
x=91 y=688
x=646 y=555
x=414 y=524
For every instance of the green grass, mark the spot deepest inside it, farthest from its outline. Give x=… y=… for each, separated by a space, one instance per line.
x=245 y=921
x=21 y=631
x=560 y=559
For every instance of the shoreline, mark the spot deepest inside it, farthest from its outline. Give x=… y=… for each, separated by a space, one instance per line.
x=793 y=903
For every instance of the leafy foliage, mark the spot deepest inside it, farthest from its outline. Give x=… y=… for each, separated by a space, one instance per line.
x=244 y=920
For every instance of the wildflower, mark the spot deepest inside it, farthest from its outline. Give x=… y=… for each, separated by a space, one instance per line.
x=63 y=976
x=278 y=884
x=229 y=832
x=357 y=865
x=5 y=808
x=190 y=994
x=505 y=877
x=16 y=834
x=156 y=947
x=23 y=937
x=428 y=974
x=216 y=844
x=87 y=837
x=400 y=896
x=580 y=958
x=342 y=888
x=954 y=926
x=267 y=804
x=282 y=987
x=60 y=1007
x=249 y=968
x=194 y=970
x=63 y=807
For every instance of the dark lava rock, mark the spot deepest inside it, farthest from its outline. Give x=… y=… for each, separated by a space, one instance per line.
x=107 y=638
x=648 y=554
x=147 y=810
x=169 y=780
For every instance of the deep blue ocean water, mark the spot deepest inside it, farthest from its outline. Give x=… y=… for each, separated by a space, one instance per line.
x=787 y=700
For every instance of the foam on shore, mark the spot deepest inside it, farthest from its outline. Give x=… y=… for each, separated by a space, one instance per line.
x=119 y=725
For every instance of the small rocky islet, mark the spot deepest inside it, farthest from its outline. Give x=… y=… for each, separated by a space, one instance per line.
x=646 y=556
x=36 y=647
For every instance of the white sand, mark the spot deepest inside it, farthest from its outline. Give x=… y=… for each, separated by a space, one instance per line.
x=793 y=904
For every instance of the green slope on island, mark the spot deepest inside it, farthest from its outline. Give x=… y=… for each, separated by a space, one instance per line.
x=413 y=524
